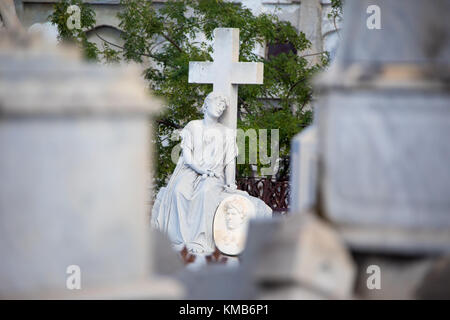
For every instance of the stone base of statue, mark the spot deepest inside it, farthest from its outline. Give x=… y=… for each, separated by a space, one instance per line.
x=223 y=225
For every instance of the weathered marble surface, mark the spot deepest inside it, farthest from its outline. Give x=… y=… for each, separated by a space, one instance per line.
x=386 y=158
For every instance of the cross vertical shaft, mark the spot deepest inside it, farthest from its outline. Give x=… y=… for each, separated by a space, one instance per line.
x=226 y=72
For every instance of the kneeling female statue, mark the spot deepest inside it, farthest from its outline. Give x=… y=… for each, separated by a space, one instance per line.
x=184 y=210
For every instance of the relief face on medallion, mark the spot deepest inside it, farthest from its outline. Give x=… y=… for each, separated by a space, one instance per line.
x=231 y=223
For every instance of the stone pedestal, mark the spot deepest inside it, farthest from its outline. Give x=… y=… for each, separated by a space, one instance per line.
x=297 y=255
x=382 y=124
x=74 y=173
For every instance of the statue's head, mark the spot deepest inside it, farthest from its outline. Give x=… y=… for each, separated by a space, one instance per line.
x=234 y=215
x=215 y=104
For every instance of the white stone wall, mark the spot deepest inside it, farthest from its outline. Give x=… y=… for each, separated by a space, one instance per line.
x=36 y=11
x=330 y=29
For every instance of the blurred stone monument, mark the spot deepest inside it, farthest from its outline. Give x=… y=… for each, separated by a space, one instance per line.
x=304 y=164
x=75 y=145
x=375 y=162
x=382 y=119
x=298 y=257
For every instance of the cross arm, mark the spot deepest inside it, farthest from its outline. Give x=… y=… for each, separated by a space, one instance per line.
x=247 y=73
x=201 y=72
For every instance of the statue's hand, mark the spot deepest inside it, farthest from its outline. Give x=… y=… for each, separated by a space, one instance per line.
x=215 y=174
x=211 y=173
x=208 y=173
x=231 y=188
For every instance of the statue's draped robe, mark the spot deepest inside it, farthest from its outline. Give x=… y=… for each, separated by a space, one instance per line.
x=184 y=210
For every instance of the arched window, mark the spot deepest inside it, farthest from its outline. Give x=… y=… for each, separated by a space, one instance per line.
x=275 y=49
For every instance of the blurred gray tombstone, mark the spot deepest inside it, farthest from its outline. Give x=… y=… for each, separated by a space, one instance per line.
x=299 y=251
x=218 y=282
x=304 y=165
x=75 y=145
x=383 y=122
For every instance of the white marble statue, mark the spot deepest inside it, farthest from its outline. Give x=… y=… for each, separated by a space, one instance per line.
x=203 y=177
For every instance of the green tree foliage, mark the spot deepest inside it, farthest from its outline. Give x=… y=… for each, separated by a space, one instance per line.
x=87 y=20
x=165 y=41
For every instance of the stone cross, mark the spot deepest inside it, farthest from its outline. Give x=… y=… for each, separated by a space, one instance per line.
x=226 y=72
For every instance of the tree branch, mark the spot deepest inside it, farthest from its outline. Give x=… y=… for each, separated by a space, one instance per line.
x=312 y=54
x=244 y=105
x=168 y=123
x=293 y=86
x=108 y=42
x=172 y=42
